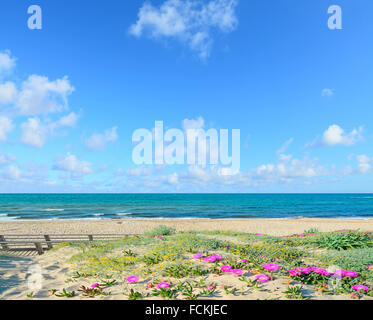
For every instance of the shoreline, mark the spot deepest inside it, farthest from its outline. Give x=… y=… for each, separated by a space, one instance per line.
x=270 y=226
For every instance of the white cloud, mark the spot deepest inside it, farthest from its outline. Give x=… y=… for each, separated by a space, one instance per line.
x=38 y=95
x=285 y=146
x=12 y=172
x=6 y=159
x=295 y=169
x=364 y=163
x=70 y=163
x=8 y=93
x=69 y=120
x=34 y=133
x=6 y=126
x=7 y=63
x=327 y=92
x=190 y=22
x=335 y=135
x=98 y=142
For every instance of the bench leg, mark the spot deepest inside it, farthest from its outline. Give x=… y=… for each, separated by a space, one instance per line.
x=39 y=248
x=3 y=245
x=48 y=240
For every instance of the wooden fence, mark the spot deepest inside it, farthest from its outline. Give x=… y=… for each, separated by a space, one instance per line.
x=40 y=243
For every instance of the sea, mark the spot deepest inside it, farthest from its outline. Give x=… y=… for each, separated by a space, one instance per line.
x=183 y=206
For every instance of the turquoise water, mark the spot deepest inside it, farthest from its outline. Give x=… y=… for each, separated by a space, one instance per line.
x=183 y=206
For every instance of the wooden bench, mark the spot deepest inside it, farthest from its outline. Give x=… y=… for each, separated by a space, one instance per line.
x=40 y=243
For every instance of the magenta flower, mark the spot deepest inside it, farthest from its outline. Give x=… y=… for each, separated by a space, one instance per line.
x=210 y=259
x=339 y=274
x=217 y=256
x=320 y=271
x=237 y=272
x=163 y=285
x=94 y=285
x=370 y=267
x=159 y=237
x=271 y=267
x=294 y=272
x=262 y=278
x=351 y=274
x=197 y=256
x=226 y=268
x=359 y=287
x=303 y=270
x=302 y=235
x=259 y=234
x=245 y=260
x=210 y=288
x=132 y=279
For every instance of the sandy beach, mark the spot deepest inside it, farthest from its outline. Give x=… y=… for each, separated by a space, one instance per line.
x=275 y=227
x=57 y=269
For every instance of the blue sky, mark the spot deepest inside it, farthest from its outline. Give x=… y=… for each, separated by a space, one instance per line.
x=73 y=93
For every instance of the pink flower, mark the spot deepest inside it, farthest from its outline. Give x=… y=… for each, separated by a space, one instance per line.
x=303 y=270
x=271 y=267
x=226 y=268
x=132 y=279
x=163 y=285
x=370 y=267
x=237 y=272
x=294 y=272
x=197 y=256
x=312 y=234
x=245 y=260
x=149 y=285
x=159 y=237
x=345 y=233
x=217 y=256
x=339 y=274
x=151 y=237
x=210 y=259
x=351 y=274
x=94 y=285
x=262 y=278
x=302 y=235
x=262 y=256
x=259 y=234
x=320 y=271
x=359 y=287
x=210 y=288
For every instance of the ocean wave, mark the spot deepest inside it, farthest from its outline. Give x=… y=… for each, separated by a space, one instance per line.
x=51 y=209
x=123 y=213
